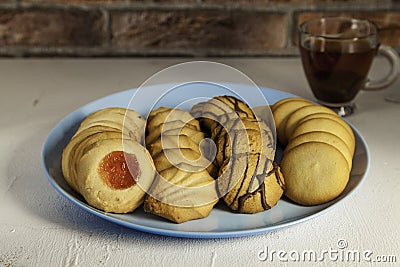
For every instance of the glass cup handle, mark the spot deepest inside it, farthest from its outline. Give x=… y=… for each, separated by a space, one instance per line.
x=394 y=73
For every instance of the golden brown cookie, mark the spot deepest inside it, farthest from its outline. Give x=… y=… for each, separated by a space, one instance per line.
x=154 y=133
x=128 y=121
x=220 y=110
x=165 y=115
x=249 y=136
x=176 y=156
x=281 y=115
x=302 y=112
x=324 y=137
x=284 y=100
x=113 y=176
x=325 y=125
x=76 y=148
x=245 y=151
x=332 y=117
x=175 y=213
x=173 y=141
x=106 y=136
x=240 y=107
x=250 y=183
x=315 y=173
x=183 y=190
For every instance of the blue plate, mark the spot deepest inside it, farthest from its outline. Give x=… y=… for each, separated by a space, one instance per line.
x=221 y=223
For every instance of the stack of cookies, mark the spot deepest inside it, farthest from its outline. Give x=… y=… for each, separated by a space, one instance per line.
x=247 y=179
x=105 y=162
x=319 y=150
x=183 y=189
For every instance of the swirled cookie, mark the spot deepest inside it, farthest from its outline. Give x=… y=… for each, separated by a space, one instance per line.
x=183 y=189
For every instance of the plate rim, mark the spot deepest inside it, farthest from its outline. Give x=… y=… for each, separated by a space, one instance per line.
x=195 y=234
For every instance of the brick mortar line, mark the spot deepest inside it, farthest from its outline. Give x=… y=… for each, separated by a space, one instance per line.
x=97 y=51
x=281 y=11
x=25 y=51
x=274 y=7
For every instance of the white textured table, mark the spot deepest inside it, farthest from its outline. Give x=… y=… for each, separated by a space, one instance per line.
x=38 y=227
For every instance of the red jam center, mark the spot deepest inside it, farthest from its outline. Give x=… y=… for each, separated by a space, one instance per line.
x=113 y=169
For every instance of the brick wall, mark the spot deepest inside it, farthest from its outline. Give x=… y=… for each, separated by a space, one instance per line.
x=174 y=27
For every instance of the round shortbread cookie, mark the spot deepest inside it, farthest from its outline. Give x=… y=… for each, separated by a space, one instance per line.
x=325 y=125
x=315 y=173
x=334 y=117
x=300 y=113
x=323 y=137
x=281 y=114
x=284 y=100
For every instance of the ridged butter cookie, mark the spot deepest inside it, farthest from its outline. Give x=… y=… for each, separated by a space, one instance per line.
x=183 y=189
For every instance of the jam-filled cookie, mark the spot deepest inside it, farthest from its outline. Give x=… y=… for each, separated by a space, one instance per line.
x=105 y=163
x=114 y=176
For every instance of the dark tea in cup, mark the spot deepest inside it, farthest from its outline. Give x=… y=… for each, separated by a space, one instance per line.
x=337 y=54
x=336 y=71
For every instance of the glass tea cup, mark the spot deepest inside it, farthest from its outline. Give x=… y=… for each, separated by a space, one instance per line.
x=337 y=54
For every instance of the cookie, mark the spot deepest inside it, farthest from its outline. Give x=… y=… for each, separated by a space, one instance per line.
x=155 y=132
x=220 y=110
x=76 y=148
x=250 y=184
x=249 y=136
x=183 y=190
x=240 y=107
x=113 y=176
x=310 y=180
x=165 y=115
x=69 y=156
x=176 y=156
x=324 y=137
x=106 y=136
x=281 y=115
x=247 y=179
x=131 y=124
x=173 y=141
x=178 y=186
x=175 y=213
x=284 y=100
x=325 y=125
x=302 y=112
x=332 y=117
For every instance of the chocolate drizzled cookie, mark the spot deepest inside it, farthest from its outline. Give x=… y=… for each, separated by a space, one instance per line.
x=247 y=178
